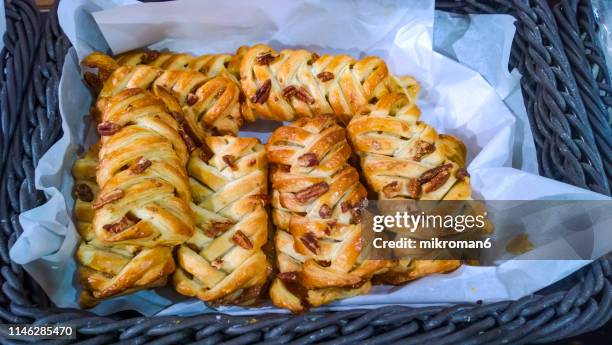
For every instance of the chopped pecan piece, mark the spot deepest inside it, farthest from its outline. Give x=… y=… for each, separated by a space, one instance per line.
x=217 y=263
x=252 y=162
x=325 y=76
x=191 y=99
x=289 y=91
x=429 y=174
x=265 y=58
x=303 y=95
x=107 y=198
x=140 y=165
x=308 y=160
x=390 y=190
x=437 y=181
x=230 y=160
x=312 y=192
x=83 y=192
x=423 y=148
x=324 y=263
x=314 y=58
x=241 y=97
x=262 y=94
x=414 y=188
x=287 y=277
x=345 y=206
x=116 y=228
x=108 y=128
x=205 y=153
x=462 y=174
x=242 y=240
x=217 y=227
x=310 y=241
x=191 y=145
x=325 y=211
x=149 y=56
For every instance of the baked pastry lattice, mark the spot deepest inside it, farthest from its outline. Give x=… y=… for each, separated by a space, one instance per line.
x=404 y=158
x=224 y=262
x=109 y=270
x=317 y=202
x=144 y=189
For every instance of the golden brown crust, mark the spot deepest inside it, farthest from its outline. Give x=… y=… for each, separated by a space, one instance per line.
x=224 y=260
x=211 y=103
x=110 y=270
x=317 y=201
x=144 y=192
x=404 y=158
x=304 y=84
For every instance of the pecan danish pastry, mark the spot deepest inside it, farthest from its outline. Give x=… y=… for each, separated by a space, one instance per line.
x=317 y=202
x=210 y=105
x=109 y=270
x=224 y=262
x=144 y=189
x=403 y=158
x=296 y=83
x=211 y=65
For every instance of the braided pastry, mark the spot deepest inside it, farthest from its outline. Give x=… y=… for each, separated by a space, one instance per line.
x=293 y=83
x=223 y=262
x=317 y=200
x=145 y=195
x=210 y=105
x=104 y=270
x=211 y=65
x=403 y=158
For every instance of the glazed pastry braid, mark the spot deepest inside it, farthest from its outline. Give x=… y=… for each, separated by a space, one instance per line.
x=223 y=262
x=317 y=203
x=403 y=158
x=104 y=270
x=211 y=65
x=210 y=105
x=293 y=83
x=145 y=195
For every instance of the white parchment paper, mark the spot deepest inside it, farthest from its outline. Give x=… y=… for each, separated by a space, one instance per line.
x=454 y=99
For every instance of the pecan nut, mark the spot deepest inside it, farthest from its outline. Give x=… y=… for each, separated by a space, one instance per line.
x=313 y=58
x=289 y=91
x=423 y=148
x=308 y=160
x=288 y=277
x=310 y=241
x=116 y=228
x=189 y=143
x=266 y=58
x=83 y=192
x=191 y=99
x=414 y=188
x=108 y=198
x=325 y=211
x=312 y=192
x=391 y=189
x=140 y=165
x=435 y=177
x=303 y=95
x=429 y=174
x=462 y=174
x=324 y=263
x=107 y=128
x=325 y=76
x=217 y=227
x=230 y=160
x=263 y=93
x=149 y=56
x=242 y=240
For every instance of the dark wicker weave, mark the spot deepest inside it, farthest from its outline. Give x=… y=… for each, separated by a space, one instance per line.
x=568 y=96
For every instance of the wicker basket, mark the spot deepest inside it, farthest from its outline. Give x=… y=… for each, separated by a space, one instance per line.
x=568 y=96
